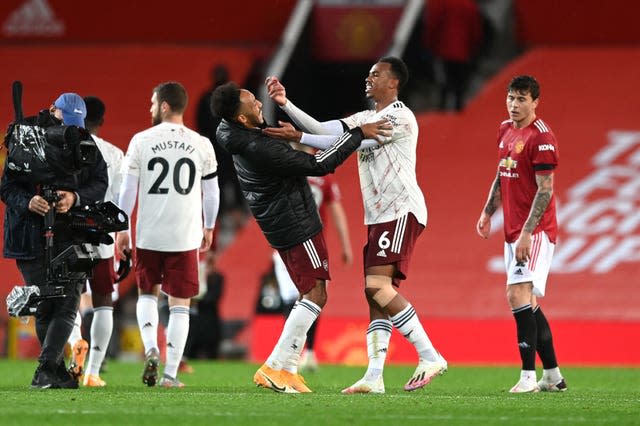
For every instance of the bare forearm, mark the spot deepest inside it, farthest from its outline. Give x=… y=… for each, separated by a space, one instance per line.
x=540 y=202
x=495 y=198
x=340 y=220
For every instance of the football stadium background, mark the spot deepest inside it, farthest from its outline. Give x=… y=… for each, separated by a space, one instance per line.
x=587 y=60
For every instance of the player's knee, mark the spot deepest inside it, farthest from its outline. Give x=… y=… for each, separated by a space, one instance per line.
x=318 y=294
x=379 y=288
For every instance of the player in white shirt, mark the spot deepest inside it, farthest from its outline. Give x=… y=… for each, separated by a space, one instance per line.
x=101 y=291
x=172 y=171
x=395 y=212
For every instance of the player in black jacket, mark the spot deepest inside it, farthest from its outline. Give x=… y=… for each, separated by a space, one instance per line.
x=272 y=176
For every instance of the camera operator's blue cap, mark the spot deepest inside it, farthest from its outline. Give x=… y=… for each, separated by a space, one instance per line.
x=73 y=109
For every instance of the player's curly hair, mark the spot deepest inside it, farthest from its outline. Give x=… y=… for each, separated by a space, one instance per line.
x=523 y=84
x=225 y=101
x=398 y=68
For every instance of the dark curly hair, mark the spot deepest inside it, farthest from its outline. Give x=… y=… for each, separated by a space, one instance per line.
x=225 y=101
x=398 y=69
x=523 y=84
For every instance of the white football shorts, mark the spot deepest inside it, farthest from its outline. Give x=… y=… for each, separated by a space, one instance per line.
x=536 y=269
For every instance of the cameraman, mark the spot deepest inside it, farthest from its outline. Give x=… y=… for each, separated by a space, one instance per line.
x=24 y=241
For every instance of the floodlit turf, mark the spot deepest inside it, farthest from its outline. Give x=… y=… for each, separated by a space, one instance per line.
x=222 y=393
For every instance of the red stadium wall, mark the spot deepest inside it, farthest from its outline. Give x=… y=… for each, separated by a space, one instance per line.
x=583 y=23
x=198 y=21
x=456 y=281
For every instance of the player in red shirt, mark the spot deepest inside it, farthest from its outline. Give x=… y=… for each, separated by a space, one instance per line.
x=528 y=157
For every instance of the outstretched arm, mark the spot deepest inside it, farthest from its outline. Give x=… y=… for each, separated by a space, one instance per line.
x=372 y=132
x=483 y=227
x=278 y=94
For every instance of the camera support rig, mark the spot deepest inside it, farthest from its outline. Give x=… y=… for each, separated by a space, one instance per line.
x=91 y=224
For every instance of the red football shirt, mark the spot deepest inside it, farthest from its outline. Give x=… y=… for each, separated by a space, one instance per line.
x=325 y=190
x=523 y=153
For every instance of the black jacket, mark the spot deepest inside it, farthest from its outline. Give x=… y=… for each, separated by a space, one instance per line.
x=272 y=176
x=23 y=230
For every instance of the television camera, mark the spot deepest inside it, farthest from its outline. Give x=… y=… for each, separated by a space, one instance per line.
x=42 y=151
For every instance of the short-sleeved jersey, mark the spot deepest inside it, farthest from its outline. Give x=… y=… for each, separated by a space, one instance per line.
x=113 y=157
x=388 y=172
x=523 y=153
x=170 y=161
x=325 y=190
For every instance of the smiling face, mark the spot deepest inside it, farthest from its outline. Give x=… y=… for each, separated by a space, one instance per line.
x=380 y=82
x=521 y=107
x=250 y=111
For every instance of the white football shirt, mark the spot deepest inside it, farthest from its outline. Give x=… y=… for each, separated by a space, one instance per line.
x=113 y=157
x=170 y=161
x=388 y=172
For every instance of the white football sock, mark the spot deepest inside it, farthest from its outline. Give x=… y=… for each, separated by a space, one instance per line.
x=177 y=332
x=528 y=376
x=407 y=323
x=76 y=331
x=294 y=333
x=147 y=314
x=101 y=328
x=291 y=363
x=552 y=375
x=378 y=336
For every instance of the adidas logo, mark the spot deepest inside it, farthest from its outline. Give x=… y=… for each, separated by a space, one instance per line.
x=148 y=324
x=381 y=253
x=524 y=345
x=96 y=348
x=33 y=18
x=519 y=272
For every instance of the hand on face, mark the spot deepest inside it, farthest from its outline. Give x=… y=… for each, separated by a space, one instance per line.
x=286 y=131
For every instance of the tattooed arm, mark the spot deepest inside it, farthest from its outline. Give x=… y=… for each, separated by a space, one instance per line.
x=483 y=227
x=538 y=207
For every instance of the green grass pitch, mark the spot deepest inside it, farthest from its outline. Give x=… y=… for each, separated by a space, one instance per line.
x=222 y=393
